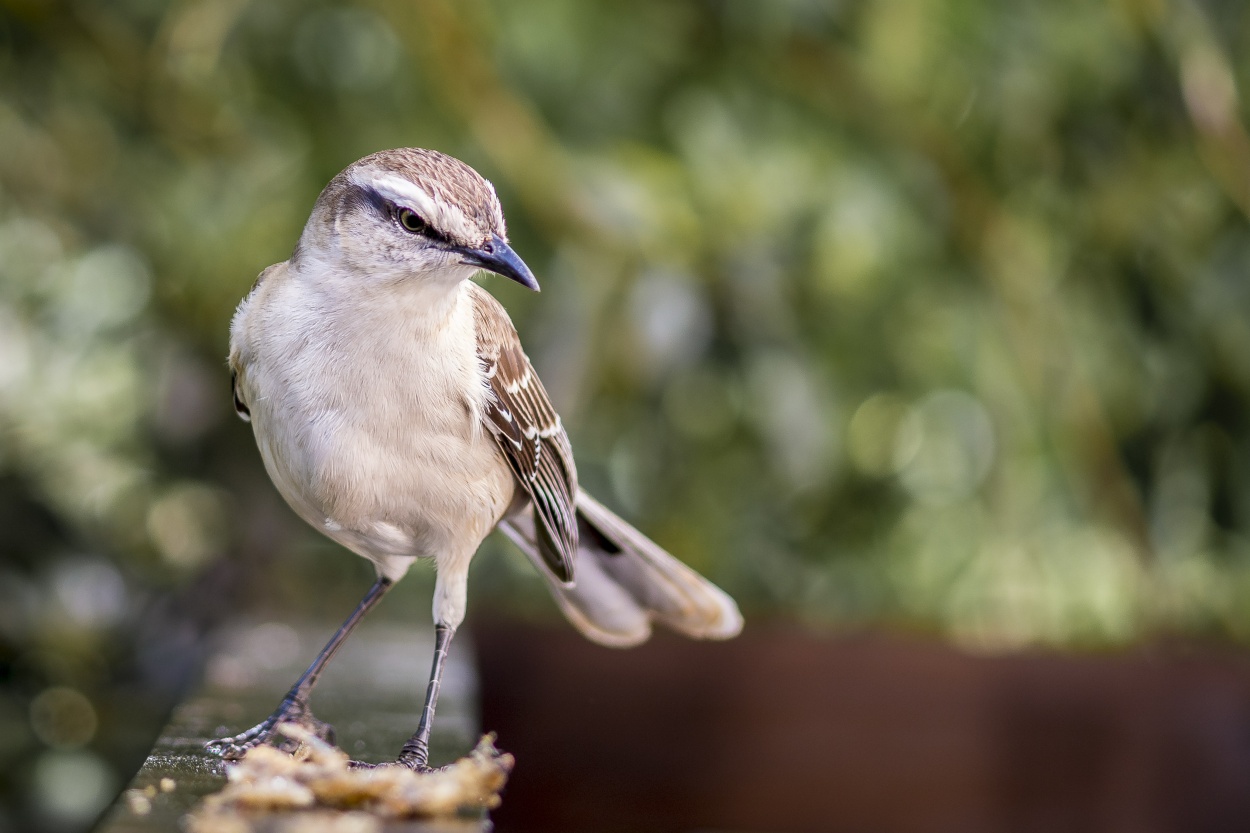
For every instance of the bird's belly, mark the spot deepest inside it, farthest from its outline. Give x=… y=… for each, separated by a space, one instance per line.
x=391 y=482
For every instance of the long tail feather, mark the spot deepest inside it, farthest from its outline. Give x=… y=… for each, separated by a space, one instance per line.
x=624 y=581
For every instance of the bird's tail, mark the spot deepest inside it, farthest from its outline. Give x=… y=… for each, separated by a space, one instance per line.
x=624 y=581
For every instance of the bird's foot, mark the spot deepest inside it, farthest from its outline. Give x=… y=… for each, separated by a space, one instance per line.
x=234 y=747
x=414 y=765
x=291 y=711
x=416 y=752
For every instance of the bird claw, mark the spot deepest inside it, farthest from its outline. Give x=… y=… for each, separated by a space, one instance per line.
x=235 y=747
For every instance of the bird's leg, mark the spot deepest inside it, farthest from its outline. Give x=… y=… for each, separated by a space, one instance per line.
x=294 y=706
x=416 y=752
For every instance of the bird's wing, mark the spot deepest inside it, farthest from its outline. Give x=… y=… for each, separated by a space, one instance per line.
x=529 y=432
x=240 y=350
x=240 y=407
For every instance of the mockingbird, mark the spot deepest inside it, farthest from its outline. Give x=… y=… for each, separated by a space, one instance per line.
x=397 y=413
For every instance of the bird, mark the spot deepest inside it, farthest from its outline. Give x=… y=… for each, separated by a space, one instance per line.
x=397 y=413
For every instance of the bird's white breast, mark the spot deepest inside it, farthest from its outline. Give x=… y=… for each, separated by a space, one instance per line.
x=367 y=410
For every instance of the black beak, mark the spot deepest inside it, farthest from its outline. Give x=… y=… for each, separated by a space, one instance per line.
x=497 y=256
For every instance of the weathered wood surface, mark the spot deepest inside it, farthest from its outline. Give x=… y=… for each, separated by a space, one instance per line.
x=371 y=693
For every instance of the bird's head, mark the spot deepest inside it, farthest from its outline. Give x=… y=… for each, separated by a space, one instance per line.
x=411 y=214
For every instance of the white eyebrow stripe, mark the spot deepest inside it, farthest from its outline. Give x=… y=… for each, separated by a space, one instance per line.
x=444 y=217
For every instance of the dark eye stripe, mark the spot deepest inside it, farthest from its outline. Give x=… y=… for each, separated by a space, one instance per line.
x=426 y=229
x=388 y=210
x=367 y=196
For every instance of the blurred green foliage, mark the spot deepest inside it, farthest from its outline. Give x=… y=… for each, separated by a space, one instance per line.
x=927 y=313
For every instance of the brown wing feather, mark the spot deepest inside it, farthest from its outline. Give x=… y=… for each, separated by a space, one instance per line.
x=529 y=432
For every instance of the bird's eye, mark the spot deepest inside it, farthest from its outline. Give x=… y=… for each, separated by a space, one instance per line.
x=411 y=221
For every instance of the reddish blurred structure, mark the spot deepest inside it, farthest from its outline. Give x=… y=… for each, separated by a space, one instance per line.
x=784 y=730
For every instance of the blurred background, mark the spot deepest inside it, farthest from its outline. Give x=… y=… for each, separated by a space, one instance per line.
x=927 y=319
